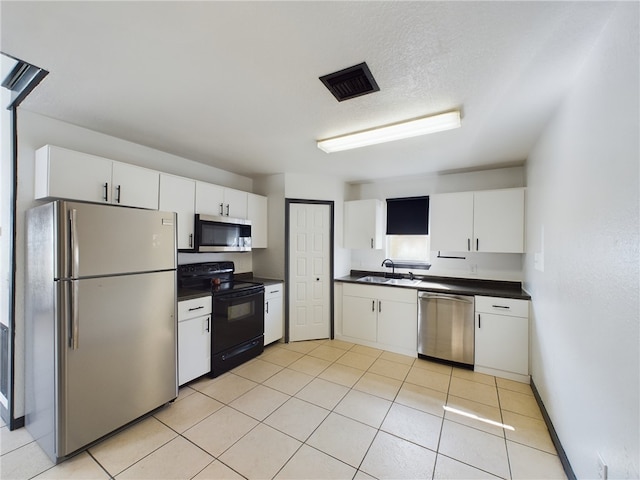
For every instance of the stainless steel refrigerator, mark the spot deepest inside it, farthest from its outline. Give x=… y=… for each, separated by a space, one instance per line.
x=100 y=315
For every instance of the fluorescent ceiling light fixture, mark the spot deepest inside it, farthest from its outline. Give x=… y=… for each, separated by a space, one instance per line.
x=389 y=133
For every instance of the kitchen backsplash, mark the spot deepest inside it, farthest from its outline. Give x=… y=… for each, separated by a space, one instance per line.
x=496 y=266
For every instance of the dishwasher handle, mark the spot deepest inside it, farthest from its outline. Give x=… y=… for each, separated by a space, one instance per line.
x=445 y=296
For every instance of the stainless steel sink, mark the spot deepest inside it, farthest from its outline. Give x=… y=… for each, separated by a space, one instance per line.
x=372 y=279
x=402 y=281
x=389 y=281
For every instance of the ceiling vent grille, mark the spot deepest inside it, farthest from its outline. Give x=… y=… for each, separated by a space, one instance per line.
x=351 y=82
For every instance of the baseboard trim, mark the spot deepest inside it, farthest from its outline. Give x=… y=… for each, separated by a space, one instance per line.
x=554 y=436
x=12 y=423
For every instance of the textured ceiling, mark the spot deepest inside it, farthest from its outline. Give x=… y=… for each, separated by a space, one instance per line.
x=235 y=84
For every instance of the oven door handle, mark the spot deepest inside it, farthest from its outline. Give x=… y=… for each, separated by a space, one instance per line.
x=241 y=294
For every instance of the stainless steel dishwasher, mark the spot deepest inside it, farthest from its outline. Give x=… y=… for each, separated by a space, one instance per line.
x=446 y=327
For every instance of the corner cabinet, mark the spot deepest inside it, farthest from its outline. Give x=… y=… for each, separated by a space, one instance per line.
x=62 y=173
x=177 y=194
x=484 y=221
x=363 y=224
x=502 y=337
x=273 y=318
x=194 y=338
x=381 y=317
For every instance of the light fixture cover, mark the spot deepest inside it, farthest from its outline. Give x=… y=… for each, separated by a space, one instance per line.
x=389 y=133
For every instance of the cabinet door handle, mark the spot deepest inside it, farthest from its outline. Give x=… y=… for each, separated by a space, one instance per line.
x=208 y=324
x=372 y=243
x=501 y=306
x=267 y=306
x=477 y=245
x=227 y=209
x=106 y=191
x=379 y=305
x=373 y=305
x=479 y=324
x=468 y=244
x=196 y=308
x=191 y=240
x=118 y=194
x=221 y=209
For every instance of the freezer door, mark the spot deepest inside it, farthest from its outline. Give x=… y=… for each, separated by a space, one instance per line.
x=96 y=240
x=118 y=360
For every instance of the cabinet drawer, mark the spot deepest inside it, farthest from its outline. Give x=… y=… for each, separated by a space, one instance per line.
x=273 y=291
x=502 y=306
x=194 y=307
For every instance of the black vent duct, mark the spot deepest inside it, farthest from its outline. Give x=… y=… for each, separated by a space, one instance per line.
x=351 y=82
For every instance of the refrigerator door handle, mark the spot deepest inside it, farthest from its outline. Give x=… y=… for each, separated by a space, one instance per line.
x=75 y=251
x=75 y=319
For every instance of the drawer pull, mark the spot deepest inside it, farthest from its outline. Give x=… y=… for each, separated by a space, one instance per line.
x=501 y=306
x=196 y=308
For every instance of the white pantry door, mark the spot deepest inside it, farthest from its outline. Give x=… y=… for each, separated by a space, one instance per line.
x=309 y=271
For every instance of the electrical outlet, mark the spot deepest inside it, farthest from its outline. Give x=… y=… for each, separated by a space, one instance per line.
x=603 y=469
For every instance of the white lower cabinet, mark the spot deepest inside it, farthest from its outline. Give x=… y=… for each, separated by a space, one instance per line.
x=382 y=317
x=273 y=318
x=502 y=337
x=194 y=338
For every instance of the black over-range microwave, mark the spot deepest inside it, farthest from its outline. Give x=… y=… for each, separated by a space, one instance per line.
x=222 y=234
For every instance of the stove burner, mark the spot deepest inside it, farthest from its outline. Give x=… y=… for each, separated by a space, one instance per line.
x=218 y=277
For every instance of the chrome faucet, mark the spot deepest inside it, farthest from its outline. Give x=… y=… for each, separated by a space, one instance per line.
x=393 y=267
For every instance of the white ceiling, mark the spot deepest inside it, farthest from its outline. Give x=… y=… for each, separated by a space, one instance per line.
x=235 y=84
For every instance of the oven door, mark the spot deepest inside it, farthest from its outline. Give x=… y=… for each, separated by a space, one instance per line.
x=237 y=318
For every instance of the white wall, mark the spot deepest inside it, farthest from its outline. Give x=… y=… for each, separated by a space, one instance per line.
x=475 y=265
x=269 y=262
x=35 y=131
x=582 y=222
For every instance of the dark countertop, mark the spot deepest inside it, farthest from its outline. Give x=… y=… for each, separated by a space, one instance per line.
x=250 y=278
x=189 y=294
x=459 y=286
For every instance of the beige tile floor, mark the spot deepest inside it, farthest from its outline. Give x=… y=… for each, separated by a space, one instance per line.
x=320 y=409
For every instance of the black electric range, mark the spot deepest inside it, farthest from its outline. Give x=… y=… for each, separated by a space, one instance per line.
x=237 y=332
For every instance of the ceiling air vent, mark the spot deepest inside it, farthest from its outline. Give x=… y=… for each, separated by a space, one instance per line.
x=351 y=82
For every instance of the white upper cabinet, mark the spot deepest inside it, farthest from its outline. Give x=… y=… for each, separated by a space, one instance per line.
x=257 y=213
x=177 y=194
x=216 y=200
x=235 y=203
x=498 y=220
x=62 y=173
x=135 y=186
x=209 y=199
x=451 y=221
x=363 y=224
x=484 y=221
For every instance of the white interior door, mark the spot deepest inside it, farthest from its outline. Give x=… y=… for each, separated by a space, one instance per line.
x=309 y=271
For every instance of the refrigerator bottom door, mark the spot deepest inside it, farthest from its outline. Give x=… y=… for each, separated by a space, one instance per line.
x=124 y=365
